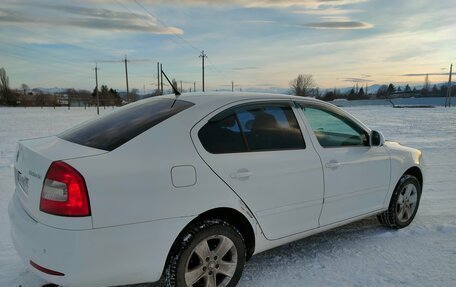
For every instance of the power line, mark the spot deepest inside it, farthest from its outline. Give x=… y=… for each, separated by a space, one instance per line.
x=38 y=58
x=125 y=61
x=147 y=22
x=126 y=78
x=203 y=56
x=96 y=88
x=165 y=25
x=212 y=65
x=448 y=98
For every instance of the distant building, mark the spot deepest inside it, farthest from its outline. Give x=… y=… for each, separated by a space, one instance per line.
x=62 y=99
x=405 y=94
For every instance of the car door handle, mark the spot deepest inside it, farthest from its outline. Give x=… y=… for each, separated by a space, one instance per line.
x=241 y=174
x=332 y=164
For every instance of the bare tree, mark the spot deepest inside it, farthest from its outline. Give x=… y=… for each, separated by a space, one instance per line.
x=4 y=86
x=427 y=84
x=134 y=95
x=25 y=88
x=382 y=92
x=303 y=85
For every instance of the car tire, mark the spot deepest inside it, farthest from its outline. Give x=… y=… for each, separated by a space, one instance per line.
x=212 y=250
x=404 y=203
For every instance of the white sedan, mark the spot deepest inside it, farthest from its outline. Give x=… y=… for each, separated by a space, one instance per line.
x=187 y=189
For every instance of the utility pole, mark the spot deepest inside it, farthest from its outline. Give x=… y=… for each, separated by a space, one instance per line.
x=96 y=88
x=161 y=81
x=232 y=86
x=126 y=78
x=158 y=78
x=181 y=87
x=202 y=56
x=448 y=99
x=194 y=86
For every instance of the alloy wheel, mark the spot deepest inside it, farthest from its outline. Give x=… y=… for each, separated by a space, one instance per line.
x=212 y=263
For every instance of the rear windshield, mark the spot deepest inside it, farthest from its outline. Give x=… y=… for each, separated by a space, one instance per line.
x=117 y=128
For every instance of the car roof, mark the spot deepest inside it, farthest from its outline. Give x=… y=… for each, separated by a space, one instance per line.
x=206 y=97
x=218 y=99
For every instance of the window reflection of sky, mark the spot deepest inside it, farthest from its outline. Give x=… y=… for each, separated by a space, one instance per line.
x=323 y=121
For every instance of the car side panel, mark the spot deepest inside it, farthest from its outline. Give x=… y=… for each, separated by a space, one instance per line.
x=402 y=159
x=135 y=180
x=285 y=188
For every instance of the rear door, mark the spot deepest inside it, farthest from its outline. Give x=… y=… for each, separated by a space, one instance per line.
x=259 y=150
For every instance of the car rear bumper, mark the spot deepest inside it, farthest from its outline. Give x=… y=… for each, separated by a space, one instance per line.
x=117 y=255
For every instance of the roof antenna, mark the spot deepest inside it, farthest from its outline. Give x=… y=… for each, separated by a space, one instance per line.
x=176 y=92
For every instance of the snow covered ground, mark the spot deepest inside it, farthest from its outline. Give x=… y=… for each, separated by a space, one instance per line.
x=359 y=254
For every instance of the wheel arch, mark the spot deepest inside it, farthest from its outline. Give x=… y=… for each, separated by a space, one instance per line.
x=416 y=172
x=230 y=215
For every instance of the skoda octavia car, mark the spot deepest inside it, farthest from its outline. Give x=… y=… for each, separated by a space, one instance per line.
x=187 y=189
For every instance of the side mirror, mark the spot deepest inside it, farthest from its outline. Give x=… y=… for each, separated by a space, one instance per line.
x=376 y=139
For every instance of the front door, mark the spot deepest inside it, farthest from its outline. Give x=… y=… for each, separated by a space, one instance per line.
x=259 y=151
x=356 y=175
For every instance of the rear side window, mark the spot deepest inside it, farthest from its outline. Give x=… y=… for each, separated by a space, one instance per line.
x=258 y=127
x=222 y=136
x=117 y=128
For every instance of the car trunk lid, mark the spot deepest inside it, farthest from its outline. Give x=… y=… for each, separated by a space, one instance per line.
x=33 y=160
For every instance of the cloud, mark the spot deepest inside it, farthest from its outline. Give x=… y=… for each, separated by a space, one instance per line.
x=425 y=74
x=339 y=25
x=335 y=19
x=90 y=18
x=328 y=12
x=296 y=3
x=259 y=21
x=245 y=68
x=91 y=12
x=356 y=80
x=250 y=3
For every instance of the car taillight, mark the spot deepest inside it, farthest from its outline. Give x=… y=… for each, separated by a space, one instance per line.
x=64 y=192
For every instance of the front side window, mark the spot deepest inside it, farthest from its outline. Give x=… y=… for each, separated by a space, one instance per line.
x=333 y=129
x=254 y=127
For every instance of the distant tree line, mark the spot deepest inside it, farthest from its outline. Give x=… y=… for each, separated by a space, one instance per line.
x=305 y=86
x=109 y=96
x=27 y=97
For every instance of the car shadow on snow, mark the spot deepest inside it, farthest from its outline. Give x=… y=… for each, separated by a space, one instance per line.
x=307 y=249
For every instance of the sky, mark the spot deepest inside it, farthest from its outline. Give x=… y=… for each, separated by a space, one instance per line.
x=258 y=44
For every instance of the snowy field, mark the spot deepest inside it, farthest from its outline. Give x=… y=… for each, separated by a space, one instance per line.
x=359 y=254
